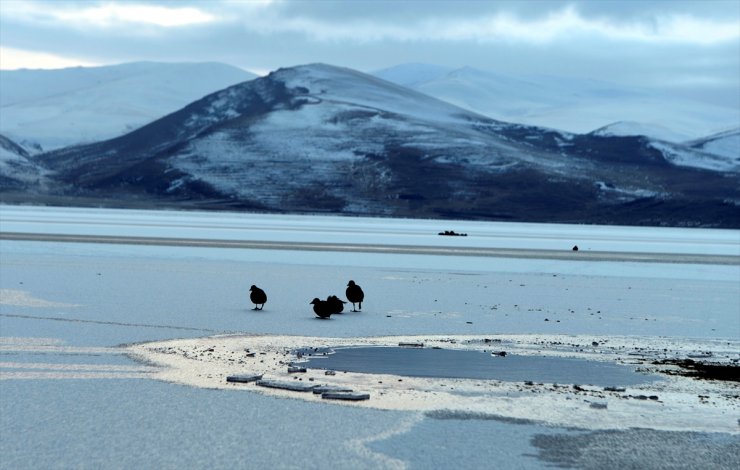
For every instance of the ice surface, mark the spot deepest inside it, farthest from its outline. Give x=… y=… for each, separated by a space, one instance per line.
x=67 y=305
x=448 y=363
x=148 y=424
x=404 y=232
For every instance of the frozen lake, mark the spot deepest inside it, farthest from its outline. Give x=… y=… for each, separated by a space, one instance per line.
x=69 y=397
x=426 y=362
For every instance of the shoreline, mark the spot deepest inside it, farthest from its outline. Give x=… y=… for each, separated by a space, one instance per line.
x=673 y=403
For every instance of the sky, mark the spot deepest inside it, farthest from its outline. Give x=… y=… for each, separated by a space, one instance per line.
x=688 y=47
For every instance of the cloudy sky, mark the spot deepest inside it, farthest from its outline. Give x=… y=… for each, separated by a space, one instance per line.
x=691 y=48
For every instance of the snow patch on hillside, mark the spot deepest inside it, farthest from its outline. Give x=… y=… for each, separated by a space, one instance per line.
x=632 y=128
x=729 y=147
x=725 y=144
x=685 y=156
x=625 y=194
x=345 y=85
x=17 y=167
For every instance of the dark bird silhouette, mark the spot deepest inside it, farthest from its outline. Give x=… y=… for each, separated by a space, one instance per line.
x=258 y=297
x=322 y=308
x=355 y=295
x=336 y=304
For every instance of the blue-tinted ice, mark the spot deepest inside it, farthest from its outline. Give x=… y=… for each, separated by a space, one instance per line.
x=449 y=363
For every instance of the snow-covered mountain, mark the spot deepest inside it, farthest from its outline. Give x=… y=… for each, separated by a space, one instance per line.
x=50 y=109
x=725 y=144
x=319 y=138
x=569 y=104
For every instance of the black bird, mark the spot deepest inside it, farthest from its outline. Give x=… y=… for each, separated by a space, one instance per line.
x=322 y=308
x=336 y=304
x=258 y=297
x=355 y=295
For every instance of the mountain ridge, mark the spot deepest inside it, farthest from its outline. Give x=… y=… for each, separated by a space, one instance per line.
x=565 y=103
x=325 y=139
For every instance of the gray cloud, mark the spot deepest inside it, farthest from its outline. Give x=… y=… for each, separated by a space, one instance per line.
x=690 y=47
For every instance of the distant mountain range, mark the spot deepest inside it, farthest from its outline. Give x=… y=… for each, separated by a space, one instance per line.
x=319 y=138
x=567 y=103
x=44 y=110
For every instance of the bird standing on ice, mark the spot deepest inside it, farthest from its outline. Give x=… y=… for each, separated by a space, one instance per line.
x=355 y=295
x=258 y=297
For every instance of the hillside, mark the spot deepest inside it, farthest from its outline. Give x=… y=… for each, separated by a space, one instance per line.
x=319 y=138
x=565 y=103
x=726 y=144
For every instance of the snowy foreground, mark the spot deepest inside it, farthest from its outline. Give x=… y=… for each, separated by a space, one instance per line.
x=116 y=354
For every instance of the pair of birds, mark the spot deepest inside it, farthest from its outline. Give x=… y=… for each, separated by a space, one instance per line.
x=322 y=308
x=333 y=304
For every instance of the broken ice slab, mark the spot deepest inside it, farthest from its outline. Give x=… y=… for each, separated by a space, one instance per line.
x=703 y=355
x=345 y=396
x=296 y=369
x=291 y=386
x=331 y=389
x=243 y=378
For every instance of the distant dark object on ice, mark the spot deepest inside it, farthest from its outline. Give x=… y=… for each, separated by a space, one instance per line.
x=258 y=297
x=575 y=248
x=321 y=308
x=452 y=233
x=355 y=295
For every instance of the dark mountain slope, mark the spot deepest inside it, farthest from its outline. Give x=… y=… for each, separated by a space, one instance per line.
x=319 y=138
